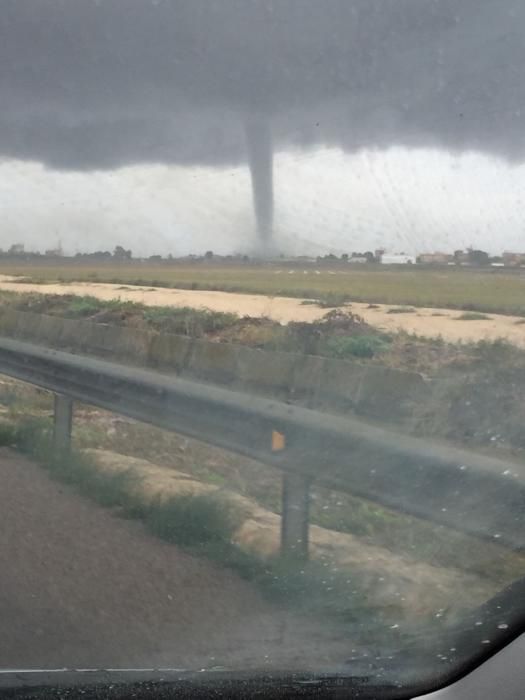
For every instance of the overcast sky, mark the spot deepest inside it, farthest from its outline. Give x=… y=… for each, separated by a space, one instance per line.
x=408 y=200
x=394 y=123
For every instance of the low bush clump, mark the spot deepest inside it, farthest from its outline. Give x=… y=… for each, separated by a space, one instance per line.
x=356 y=345
x=194 y=519
x=473 y=316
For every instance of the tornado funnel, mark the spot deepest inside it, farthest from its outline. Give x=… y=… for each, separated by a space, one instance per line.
x=260 y=158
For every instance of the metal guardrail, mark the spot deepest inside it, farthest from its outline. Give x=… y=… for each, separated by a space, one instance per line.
x=463 y=490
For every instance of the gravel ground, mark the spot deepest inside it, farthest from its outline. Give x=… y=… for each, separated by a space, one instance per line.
x=80 y=587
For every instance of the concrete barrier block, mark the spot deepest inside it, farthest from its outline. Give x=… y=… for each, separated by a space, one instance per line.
x=133 y=345
x=115 y=342
x=268 y=373
x=46 y=329
x=70 y=335
x=168 y=351
x=99 y=339
x=389 y=394
x=27 y=325
x=322 y=383
x=307 y=374
x=214 y=362
x=8 y=321
x=339 y=385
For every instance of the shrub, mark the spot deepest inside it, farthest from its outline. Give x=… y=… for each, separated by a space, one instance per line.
x=357 y=345
x=7 y=435
x=333 y=299
x=194 y=519
x=401 y=310
x=498 y=351
x=473 y=316
x=188 y=321
x=31 y=435
x=84 y=306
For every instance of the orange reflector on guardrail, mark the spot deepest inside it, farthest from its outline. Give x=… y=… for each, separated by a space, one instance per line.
x=278 y=441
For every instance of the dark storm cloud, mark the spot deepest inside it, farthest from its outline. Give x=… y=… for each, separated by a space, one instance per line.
x=96 y=84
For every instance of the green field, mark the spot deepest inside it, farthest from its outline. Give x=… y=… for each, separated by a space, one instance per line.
x=469 y=289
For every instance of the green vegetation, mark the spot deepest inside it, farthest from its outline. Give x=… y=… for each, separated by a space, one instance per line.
x=194 y=519
x=186 y=321
x=83 y=306
x=337 y=334
x=485 y=290
x=65 y=305
x=357 y=346
x=473 y=316
x=498 y=354
x=195 y=323
x=86 y=306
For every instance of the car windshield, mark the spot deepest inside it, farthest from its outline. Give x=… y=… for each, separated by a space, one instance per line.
x=262 y=338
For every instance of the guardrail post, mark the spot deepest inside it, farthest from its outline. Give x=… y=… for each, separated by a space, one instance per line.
x=295 y=515
x=62 y=423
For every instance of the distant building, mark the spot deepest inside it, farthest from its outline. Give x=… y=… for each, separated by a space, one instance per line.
x=399 y=259
x=513 y=259
x=435 y=258
x=461 y=257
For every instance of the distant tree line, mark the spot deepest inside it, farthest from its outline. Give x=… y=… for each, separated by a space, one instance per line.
x=472 y=257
